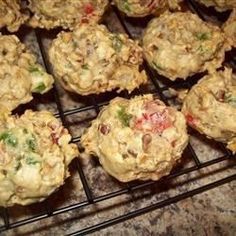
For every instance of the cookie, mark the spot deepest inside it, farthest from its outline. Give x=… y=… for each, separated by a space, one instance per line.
x=66 y=14
x=210 y=107
x=11 y=16
x=92 y=60
x=34 y=157
x=220 y=5
x=179 y=45
x=141 y=8
x=20 y=74
x=137 y=139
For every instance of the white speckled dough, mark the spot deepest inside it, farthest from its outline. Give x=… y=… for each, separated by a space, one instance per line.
x=178 y=45
x=139 y=138
x=67 y=14
x=141 y=8
x=210 y=107
x=34 y=157
x=229 y=28
x=20 y=74
x=91 y=60
x=220 y=5
x=10 y=15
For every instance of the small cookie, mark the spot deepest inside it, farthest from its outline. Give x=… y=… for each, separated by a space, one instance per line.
x=20 y=74
x=141 y=8
x=140 y=138
x=220 y=5
x=178 y=45
x=67 y=14
x=34 y=157
x=91 y=60
x=10 y=15
x=210 y=107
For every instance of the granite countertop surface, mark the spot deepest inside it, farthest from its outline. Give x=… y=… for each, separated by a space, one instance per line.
x=210 y=213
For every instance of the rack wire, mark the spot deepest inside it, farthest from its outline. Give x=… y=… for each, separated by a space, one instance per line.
x=130 y=189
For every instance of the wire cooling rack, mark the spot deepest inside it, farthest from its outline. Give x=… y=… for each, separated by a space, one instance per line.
x=159 y=86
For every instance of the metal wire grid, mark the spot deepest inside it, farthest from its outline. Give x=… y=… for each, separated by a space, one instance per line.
x=132 y=187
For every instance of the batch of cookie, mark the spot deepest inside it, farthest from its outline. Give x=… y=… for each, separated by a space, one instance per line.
x=135 y=139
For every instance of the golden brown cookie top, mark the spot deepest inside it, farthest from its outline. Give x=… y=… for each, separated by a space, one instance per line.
x=35 y=153
x=210 y=106
x=141 y=8
x=92 y=60
x=140 y=138
x=220 y=5
x=67 y=14
x=11 y=15
x=178 y=45
x=20 y=74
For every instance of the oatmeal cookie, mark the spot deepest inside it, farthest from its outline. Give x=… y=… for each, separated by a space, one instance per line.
x=66 y=14
x=140 y=138
x=220 y=5
x=210 y=107
x=34 y=157
x=179 y=45
x=20 y=74
x=141 y=8
x=11 y=15
x=91 y=60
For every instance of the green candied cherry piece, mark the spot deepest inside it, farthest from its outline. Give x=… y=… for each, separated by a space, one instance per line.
x=30 y=160
x=230 y=98
x=31 y=143
x=117 y=43
x=9 y=139
x=39 y=88
x=41 y=81
x=123 y=116
x=203 y=50
x=202 y=36
x=35 y=70
x=126 y=6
